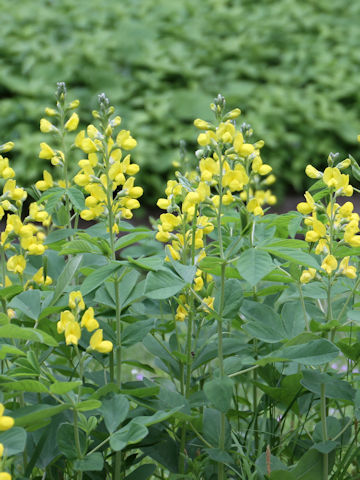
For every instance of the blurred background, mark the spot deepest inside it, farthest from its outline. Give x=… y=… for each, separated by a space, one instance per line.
x=292 y=67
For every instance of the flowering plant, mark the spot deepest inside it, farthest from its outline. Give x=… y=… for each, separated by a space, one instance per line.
x=240 y=325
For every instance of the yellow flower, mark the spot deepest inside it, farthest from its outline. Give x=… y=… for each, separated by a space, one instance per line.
x=88 y=146
x=312 y=172
x=5 y=422
x=16 y=264
x=199 y=283
x=65 y=317
x=201 y=124
x=125 y=140
x=346 y=210
x=169 y=222
x=6 y=147
x=39 y=277
x=254 y=207
x=181 y=313
x=308 y=206
x=346 y=269
x=97 y=343
x=72 y=333
x=162 y=236
x=45 y=184
x=5 y=170
x=1 y=450
x=72 y=123
x=76 y=300
x=5 y=476
x=332 y=177
x=88 y=320
x=46 y=126
x=319 y=231
x=329 y=264
x=209 y=302
x=245 y=149
x=46 y=152
x=308 y=275
x=14 y=192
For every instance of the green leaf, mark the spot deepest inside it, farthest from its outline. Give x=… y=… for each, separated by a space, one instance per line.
x=219 y=392
x=65 y=440
x=212 y=427
x=309 y=467
x=233 y=298
x=253 y=265
x=35 y=415
x=136 y=332
x=65 y=277
x=91 y=463
x=265 y=324
x=325 y=447
x=80 y=246
x=76 y=197
x=186 y=272
x=131 y=238
x=24 y=333
x=282 y=475
x=60 y=388
x=24 y=386
x=153 y=263
x=334 y=388
x=8 y=293
x=87 y=405
x=144 y=472
x=28 y=303
x=114 y=411
x=58 y=235
x=219 y=455
x=141 y=392
x=14 y=441
x=132 y=433
x=293 y=255
x=163 y=284
x=315 y=352
x=6 y=349
x=99 y=276
x=275 y=463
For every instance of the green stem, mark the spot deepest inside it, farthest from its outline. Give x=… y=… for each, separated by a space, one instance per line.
x=221 y=471
x=324 y=430
x=188 y=348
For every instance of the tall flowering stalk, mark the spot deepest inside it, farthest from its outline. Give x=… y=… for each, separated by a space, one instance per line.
x=230 y=173
x=107 y=176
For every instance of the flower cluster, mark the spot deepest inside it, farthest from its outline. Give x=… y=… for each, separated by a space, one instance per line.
x=70 y=326
x=230 y=171
x=107 y=174
x=20 y=238
x=329 y=223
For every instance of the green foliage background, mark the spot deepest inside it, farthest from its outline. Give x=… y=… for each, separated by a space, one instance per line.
x=293 y=67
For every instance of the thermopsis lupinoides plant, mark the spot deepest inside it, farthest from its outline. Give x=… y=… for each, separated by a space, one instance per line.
x=223 y=344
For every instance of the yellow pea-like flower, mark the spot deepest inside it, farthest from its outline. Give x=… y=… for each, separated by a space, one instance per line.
x=5 y=476
x=88 y=320
x=76 y=300
x=72 y=333
x=46 y=126
x=39 y=277
x=46 y=152
x=308 y=275
x=72 y=123
x=329 y=264
x=16 y=264
x=66 y=317
x=97 y=343
x=5 y=422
